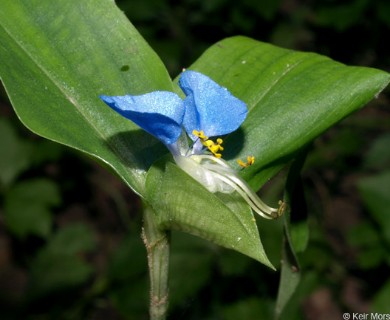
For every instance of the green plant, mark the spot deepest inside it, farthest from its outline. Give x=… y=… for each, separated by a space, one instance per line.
x=59 y=57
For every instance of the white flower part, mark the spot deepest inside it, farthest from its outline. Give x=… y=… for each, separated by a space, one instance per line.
x=217 y=176
x=200 y=172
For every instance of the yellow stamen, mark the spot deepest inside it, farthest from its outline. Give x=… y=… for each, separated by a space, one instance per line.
x=200 y=134
x=214 y=147
x=249 y=162
x=208 y=143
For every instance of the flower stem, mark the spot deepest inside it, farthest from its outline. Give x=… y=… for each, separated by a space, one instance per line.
x=157 y=246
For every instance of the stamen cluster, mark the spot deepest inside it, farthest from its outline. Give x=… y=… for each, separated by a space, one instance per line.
x=214 y=147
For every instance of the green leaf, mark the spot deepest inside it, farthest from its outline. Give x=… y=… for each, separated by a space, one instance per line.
x=371 y=236
x=378 y=156
x=15 y=153
x=127 y=274
x=249 y=308
x=27 y=207
x=341 y=16
x=60 y=265
x=381 y=299
x=375 y=192
x=188 y=256
x=128 y=261
x=72 y=240
x=300 y=236
x=182 y=203
x=57 y=57
x=292 y=98
x=295 y=235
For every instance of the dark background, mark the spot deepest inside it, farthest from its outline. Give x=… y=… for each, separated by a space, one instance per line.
x=70 y=244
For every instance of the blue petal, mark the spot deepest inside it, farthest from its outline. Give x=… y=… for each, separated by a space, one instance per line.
x=160 y=113
x=209 y=107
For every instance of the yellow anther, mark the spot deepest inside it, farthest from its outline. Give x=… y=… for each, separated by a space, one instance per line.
x=200 y=134
x=241 y=163
x=249 y=161
x=208 y=143
x=213 y=147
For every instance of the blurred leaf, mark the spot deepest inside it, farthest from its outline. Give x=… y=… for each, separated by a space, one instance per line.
x=72 y=240
x=142 y=10
x=383 y=11
x=131 y=298
x=14 y=153
x=28 y=205
x=189 y=256
x=317 y=255
x=58 y=57
x=311 y=279
x=292 y=98
x=241 y=20
x=233 y=264
x=381 y=299
x=289 y=35
x=370 y=239
x=348 y=143
x=341 y=16
x=264 y=8
x=371 y=257
x=300 y=236
x=127 y=273
x=375 y=191
x=223 y=219
x=250 y=308
x=371 y=251
x=378 y=156
x=60 y=265
x=46 y=150
x=129 y=260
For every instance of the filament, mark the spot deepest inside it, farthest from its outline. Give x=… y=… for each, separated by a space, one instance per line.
x=223 y=172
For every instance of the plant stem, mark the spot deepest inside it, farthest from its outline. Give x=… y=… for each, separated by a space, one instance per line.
x=157 y=246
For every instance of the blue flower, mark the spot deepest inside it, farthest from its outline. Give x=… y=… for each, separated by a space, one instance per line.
x=160 y=113
x=208 y=110
x=209 y=107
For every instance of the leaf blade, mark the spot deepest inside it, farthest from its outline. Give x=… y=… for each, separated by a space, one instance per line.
x=292 y=97
x=224 y=219
x=56 y=65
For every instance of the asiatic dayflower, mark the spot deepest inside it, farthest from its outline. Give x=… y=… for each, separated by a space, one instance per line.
x=208 y=110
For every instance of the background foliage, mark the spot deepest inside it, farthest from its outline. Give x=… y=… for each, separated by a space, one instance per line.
x=57 y=206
